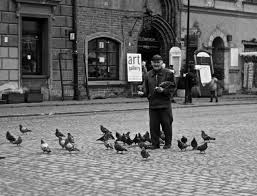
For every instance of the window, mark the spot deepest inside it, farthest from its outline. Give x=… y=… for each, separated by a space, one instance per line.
x=103 y=59
x=251 y=1
x=34 y=46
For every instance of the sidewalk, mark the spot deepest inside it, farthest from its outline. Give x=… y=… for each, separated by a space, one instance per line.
x=69 y=107
x=197 y=101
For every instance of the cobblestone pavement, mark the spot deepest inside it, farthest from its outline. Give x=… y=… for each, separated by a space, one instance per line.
x=227 y=168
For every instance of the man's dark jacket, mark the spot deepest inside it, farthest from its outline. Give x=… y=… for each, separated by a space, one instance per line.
x=162 y=78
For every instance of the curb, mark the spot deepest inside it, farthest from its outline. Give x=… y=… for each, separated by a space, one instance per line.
x=93 y=102
x=174 y=106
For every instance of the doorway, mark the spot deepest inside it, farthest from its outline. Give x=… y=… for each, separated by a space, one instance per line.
x=149 y=44
x=218 y=50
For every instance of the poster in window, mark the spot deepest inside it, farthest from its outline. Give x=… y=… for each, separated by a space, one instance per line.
x=134 y=67
x=101 y=59
x=101 y=44
x=234 y=57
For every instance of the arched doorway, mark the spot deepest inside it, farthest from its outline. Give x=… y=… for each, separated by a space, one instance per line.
x=149 y=44
x=218 y=50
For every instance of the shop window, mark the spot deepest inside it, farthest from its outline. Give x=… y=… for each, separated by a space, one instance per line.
x=103 y=59
x=34 y=46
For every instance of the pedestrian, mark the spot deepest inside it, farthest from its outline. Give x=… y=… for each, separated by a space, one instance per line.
x=189 y=83
x=171 y=68
x=213 y=86
x=144 y=70
x=158 y=86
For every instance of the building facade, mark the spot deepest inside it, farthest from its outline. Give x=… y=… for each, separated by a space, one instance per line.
x=227 y=29
x=60 y=47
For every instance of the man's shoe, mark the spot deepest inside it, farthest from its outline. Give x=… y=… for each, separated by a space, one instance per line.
x=151 y=147
x=166 y=146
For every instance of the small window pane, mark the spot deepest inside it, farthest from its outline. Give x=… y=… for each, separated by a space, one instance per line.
x=112 y=59
x=32 y=46
x=103 y=59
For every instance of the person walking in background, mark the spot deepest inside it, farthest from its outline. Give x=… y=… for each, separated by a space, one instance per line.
x=144 y=70
x=189 y=83
x=213 y=85
x=171 y=68
x=158 y=86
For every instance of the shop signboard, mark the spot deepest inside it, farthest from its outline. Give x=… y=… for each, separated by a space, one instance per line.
x=175 y=60
x=134 y=67
x=204 y=70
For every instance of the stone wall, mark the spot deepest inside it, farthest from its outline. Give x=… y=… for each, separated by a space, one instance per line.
x=61 y=26
x=9 y=66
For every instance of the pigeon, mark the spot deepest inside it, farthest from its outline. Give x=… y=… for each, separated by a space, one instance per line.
x=10 y=137
x=142 y=145
x=108 y=145
x=184 y=139
x=123 y=138
x=194 y=144
x=136 y=139
x=161 y=141
x=144 y=153
x=18 y=141
x=165 y=84
x=206 y=137
x=118 y=147
x=104 y=130
x=118 y=136
x=59 y=133
x=141 y=138
x=106 y=137
x=70 y=138
x=24 y=129
x=146 y=136
x=162 y=135
x=129 y=141
x=182 y=145
x=61 y=141
x=45 y=147
x=203 y=147
x=70 y=147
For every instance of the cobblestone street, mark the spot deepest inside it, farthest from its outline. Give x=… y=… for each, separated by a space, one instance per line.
x=227 y=168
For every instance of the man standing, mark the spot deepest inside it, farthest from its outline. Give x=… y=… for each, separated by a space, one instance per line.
x=158 y=86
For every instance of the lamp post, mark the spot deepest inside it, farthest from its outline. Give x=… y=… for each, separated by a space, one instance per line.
x=187 y=50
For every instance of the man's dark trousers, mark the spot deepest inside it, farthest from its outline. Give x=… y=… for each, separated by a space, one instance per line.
x=163 y=117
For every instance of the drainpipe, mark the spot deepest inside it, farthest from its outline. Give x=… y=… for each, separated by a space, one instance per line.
x=187 y=47
x=75 y=51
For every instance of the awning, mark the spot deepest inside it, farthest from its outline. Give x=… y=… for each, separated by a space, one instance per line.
x=248 y=54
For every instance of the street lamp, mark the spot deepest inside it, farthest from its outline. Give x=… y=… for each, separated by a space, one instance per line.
x=187 y=51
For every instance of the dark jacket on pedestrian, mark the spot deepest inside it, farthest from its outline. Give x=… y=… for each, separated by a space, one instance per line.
x=161 y=78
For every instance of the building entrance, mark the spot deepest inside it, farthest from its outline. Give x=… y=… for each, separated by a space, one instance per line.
x=149 y=44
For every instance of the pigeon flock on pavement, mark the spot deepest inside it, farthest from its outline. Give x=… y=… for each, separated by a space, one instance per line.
x=66 y=143
x=117 y=143
x=144 y=141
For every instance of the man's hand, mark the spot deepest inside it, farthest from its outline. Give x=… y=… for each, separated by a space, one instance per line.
x=159 y=89
x=140 y=93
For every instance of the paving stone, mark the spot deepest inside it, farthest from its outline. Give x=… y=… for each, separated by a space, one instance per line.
x=227 y=168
